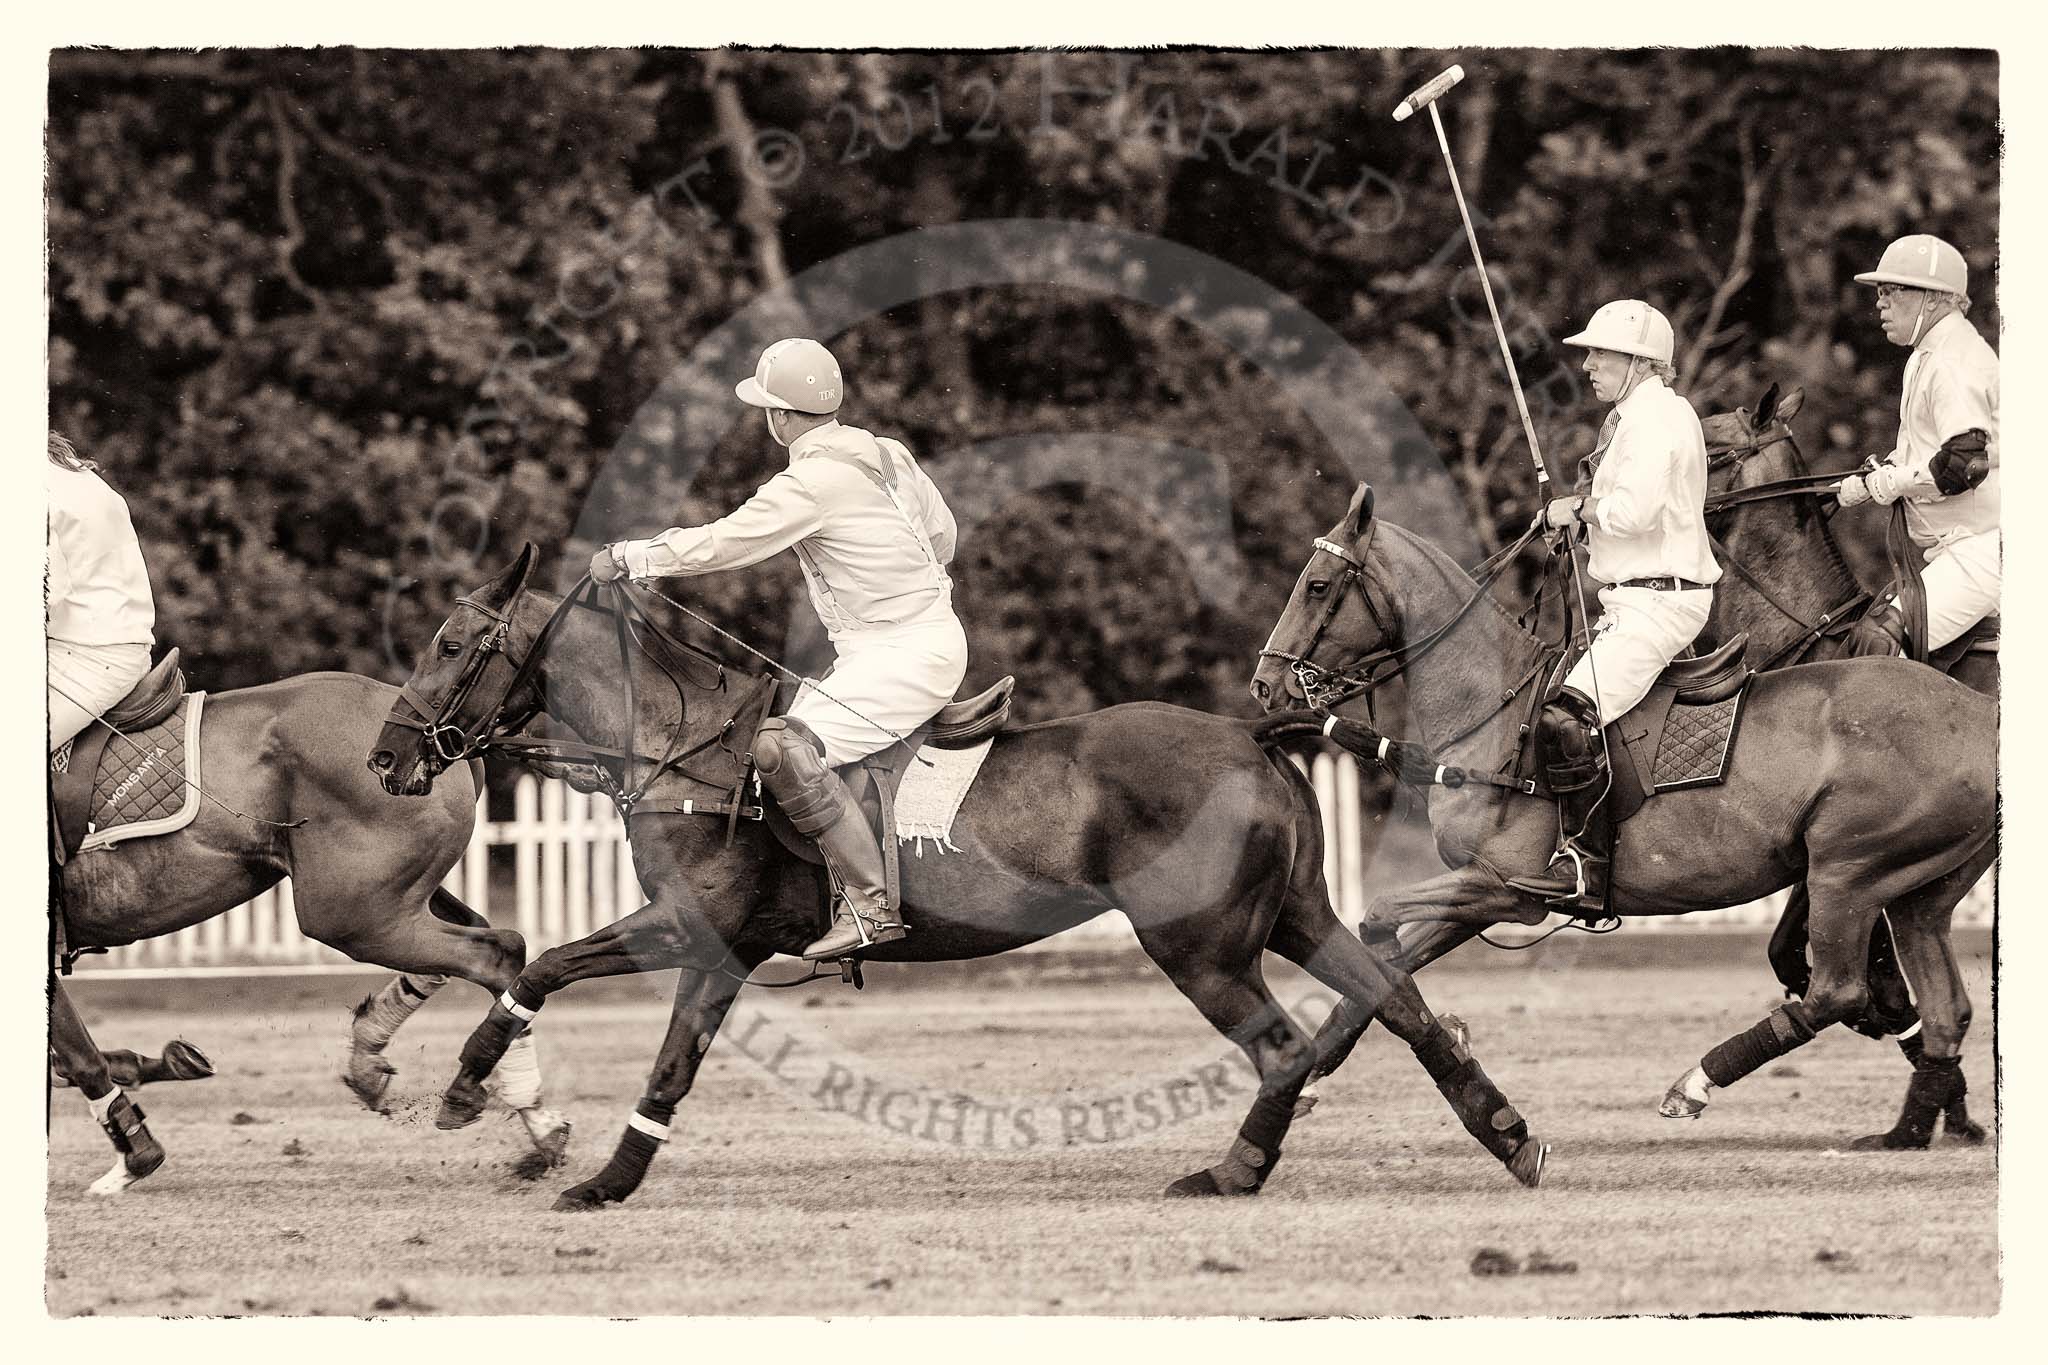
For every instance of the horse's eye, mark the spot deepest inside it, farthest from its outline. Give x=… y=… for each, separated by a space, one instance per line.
x=1317 y=587
x=451 y=649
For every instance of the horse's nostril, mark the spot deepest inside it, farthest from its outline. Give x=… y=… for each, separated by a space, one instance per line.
x=383 y=761
x=1260 y=691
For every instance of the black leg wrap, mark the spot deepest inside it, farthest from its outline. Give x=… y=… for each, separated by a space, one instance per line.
x=1937 y=1081
x=1383 y=938
x=486 y=1047
x=527 y=996
x=1266 y=1126
x=1913 y=1047
x=1338 y=1035
x=1478 y=1103
x=1784 y=1029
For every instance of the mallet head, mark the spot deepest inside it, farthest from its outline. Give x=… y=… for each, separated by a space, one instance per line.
x=1428 y=92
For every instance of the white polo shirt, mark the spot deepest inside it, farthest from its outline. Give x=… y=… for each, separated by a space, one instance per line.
x=1651 y=483
x=97 y=592
x=1951 y=386
x=871 y=559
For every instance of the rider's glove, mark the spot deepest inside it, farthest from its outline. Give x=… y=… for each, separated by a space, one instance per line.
x=607 y=565
x=1853 y=491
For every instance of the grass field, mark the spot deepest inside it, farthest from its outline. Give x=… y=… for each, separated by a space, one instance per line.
x=827 y=1165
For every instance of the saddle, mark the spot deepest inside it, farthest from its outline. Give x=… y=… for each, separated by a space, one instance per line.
x=1678 y=736
x=875 y=779
x=75 y=766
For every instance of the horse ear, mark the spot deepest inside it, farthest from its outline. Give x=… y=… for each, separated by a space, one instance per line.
x=1766 y=408
x=513 y=577
x=1789 y=405
x=1359 y=514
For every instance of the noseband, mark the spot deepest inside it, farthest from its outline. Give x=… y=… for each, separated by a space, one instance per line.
x=450 y=742
x=1324 y=687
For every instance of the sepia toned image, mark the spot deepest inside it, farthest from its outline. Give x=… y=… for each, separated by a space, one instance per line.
x=840 y=683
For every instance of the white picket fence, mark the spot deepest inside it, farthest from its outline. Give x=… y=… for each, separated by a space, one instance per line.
x=571 y=870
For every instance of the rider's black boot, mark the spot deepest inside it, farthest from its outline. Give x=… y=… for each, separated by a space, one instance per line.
x=1576 y=766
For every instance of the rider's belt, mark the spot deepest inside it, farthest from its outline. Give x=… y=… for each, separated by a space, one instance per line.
x=1663 y=584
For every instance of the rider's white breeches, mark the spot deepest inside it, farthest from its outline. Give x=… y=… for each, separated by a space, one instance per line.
x=86 y=681
x=1640 y=630
x=1962 y=579
x=885 y=683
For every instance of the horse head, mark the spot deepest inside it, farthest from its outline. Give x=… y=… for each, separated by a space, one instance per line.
x=1331 y=622
x=1750 y=447
x=461 y=690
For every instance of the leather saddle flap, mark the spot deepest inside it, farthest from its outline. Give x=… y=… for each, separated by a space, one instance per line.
x=1710 y=678
x=152 y=699
x=963 y=724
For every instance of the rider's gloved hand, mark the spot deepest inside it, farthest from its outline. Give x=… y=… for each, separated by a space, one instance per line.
x=607 y=565
x=1563 y=512
x=1853 y=491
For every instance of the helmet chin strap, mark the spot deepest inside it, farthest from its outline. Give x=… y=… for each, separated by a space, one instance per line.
x=1628 y=384
x=768 y=415
x=1919 y=319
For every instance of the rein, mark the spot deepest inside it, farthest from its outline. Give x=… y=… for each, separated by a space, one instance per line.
x=453 y=743
x=1822 y=485
x=1323 y=688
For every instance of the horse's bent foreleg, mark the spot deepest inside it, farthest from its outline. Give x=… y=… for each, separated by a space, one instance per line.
x=1244 y=1010
x=78 y=1058
x=649 y=939
x=1414 y=945
x=1839 y=992
x=1313 y=938
x=702 y=999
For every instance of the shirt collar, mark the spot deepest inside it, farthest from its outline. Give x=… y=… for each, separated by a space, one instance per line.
x=1643 y=385
x=809 y=441
x=1940 y=332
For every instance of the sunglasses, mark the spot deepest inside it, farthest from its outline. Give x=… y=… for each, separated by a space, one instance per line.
x=1887 y=292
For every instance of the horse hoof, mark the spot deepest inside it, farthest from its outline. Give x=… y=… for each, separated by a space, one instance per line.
x=550 y=1134
x=584 y=1198
x=1964 y=1130
x=461 y=1106
x=1677 y=1104
x=1195 y=1186
x=186 y=1062
x=1892 y=1141
x=1305 y=1102
x=1526 y=1165
x=368 y=1077
x=129 y=1169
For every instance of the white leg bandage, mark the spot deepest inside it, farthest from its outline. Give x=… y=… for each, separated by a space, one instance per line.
x=518 y=1074
x=101 y=1105
x=392 y=1006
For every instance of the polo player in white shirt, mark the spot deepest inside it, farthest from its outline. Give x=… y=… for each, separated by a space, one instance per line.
x=1945 y=463
x=99 y=618
x=1646 y=536
x=874 y=538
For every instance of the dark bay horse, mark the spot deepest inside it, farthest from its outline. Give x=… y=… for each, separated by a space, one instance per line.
x=284 y=794
x=1875 y=782
x=1207 y=841
x=1789 y=587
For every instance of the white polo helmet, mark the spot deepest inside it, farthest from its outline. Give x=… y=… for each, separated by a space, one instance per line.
x=796 y=374
x=1921 y=262
x=1629 y=326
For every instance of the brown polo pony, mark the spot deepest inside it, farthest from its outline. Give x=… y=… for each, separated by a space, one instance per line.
x=1875 y=782
x=284 y=794
x=1789 y=587
x=1208 y=842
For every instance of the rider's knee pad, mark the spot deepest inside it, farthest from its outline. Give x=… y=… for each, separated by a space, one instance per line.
x=782 y=739
x=1881 y=631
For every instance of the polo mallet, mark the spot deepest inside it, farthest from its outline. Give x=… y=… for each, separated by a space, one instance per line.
x=1425 y=96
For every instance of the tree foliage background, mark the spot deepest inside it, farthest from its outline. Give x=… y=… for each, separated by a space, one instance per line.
x=347 y=326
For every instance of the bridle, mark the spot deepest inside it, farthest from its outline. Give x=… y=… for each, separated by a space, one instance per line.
x=1821 y=485
x=1323 y=687
x=452 y=741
